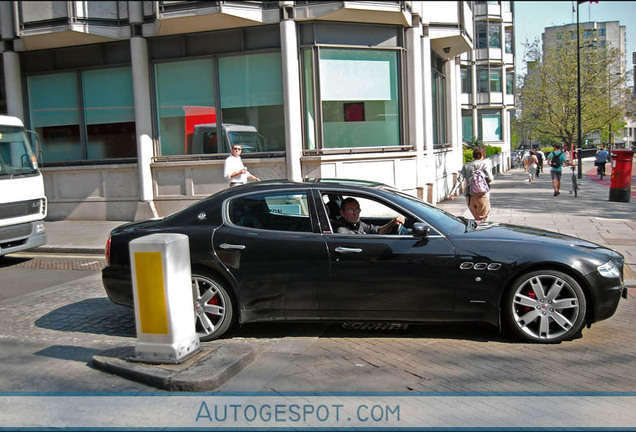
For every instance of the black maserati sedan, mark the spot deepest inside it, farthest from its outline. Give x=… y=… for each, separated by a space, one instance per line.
x=278 y=250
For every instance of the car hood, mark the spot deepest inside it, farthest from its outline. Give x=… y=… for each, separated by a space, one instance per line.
x=513 y=233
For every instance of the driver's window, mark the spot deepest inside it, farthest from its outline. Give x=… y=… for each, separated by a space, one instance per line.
x=359 y=208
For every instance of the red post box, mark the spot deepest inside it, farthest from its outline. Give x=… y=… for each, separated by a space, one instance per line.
x=621 y=184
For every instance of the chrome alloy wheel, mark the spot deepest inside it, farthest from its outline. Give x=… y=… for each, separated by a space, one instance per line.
x=547 y=306
x=212 y=307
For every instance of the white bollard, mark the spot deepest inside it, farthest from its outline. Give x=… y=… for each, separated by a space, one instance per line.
x=162 y=293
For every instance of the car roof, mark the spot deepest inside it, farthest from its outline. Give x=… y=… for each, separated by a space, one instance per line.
x=314 y=182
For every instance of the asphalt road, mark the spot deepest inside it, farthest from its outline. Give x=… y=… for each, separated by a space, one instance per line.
x=29 y=272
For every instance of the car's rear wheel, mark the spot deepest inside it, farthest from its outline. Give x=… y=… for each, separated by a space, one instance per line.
x=545 y=306
x=213 y=307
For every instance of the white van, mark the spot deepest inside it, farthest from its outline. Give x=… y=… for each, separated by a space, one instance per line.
x=23 y=205
x=205 y=140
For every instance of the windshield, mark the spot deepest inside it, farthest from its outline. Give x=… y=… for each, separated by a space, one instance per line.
x=430 y=214
x=16 y=156
x=247 y=139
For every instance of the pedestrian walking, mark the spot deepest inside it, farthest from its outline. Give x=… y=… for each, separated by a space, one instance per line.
x=530 y=163
x=477 y=178
x=234 y=170
x=540 y=157
x=556 y=159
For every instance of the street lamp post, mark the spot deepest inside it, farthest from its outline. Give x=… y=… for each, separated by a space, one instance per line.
x=578 y=91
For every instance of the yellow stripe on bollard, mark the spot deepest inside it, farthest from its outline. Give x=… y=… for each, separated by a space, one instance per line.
x=151 y=294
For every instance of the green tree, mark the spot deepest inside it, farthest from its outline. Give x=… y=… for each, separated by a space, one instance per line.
x=548 y=94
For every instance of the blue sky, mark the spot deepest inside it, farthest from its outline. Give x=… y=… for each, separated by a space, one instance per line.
x=531 y=17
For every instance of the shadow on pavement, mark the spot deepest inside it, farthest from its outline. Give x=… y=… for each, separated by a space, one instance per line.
x=95 y=315
x=68 y=352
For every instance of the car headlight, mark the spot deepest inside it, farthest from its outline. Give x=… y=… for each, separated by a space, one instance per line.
x=609 y=270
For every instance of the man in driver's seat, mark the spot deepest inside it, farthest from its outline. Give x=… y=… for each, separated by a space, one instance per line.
x=350 y=222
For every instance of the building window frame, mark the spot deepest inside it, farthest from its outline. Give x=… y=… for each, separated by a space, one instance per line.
x=320 y=101
x=439 y=102
x=83 y=115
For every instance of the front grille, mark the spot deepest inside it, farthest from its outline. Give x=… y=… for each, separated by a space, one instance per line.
x=22 y=208
x=15 y=232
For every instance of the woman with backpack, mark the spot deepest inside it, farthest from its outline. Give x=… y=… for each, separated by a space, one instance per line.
x=556 y=159
x=478 y=178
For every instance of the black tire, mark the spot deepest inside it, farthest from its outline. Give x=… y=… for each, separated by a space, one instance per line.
x=545 y=306
x=213 y=306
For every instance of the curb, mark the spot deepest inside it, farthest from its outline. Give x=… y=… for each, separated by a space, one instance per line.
x=89 y=250
x=206 y=370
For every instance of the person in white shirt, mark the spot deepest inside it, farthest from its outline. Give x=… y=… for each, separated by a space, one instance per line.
x=234 y=170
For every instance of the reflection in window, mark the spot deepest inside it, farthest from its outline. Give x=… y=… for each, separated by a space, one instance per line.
x=359 y=98
x=490 y=125
x=510 y=82
x=467 y=126
x=467 y=82
x=482 y=79
x=251 y=90
x=439 y=107
x=495 y=80
x=482 y=34
x=108 y=130
x=251 y=99
x=272 y=211
x=494 y=36
x=185 y=99
x=310 y=115
x=508 y=41
x=109 y=113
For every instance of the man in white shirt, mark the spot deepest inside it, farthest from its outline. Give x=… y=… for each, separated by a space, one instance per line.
x=234 y=170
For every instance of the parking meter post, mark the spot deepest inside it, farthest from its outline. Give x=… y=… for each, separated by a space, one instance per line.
x=162 y=295
x=620 y=185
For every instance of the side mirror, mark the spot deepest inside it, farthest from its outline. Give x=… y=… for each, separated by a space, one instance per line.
x=421 y=229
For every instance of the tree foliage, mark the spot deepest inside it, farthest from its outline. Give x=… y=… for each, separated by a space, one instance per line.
x=547 y=98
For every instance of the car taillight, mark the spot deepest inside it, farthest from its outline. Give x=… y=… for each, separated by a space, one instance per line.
x=108 y=251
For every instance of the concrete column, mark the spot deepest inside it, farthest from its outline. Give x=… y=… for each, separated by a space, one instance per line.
x=13 y=84
x=291 y=99
x=143 y=121
x=6 y=20
x=475 y=95
x=416 y=98
x=453 y=95
x=427 y=87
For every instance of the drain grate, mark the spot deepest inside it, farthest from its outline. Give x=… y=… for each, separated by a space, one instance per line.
x=61 y=264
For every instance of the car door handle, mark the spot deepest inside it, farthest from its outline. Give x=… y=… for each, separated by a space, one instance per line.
x=345 y=250
x=228 y=246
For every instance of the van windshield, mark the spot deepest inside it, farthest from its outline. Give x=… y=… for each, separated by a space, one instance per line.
x=249 y=140
x=16 y=156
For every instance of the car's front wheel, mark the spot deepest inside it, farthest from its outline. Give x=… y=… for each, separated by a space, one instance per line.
x=545 y=306
x=213 y=307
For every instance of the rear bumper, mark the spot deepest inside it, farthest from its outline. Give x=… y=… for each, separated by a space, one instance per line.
x=118 y=285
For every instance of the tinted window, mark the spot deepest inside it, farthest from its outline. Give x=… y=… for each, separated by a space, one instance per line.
x=271 y=211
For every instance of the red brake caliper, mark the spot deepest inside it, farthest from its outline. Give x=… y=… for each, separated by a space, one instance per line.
x=532 y=295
